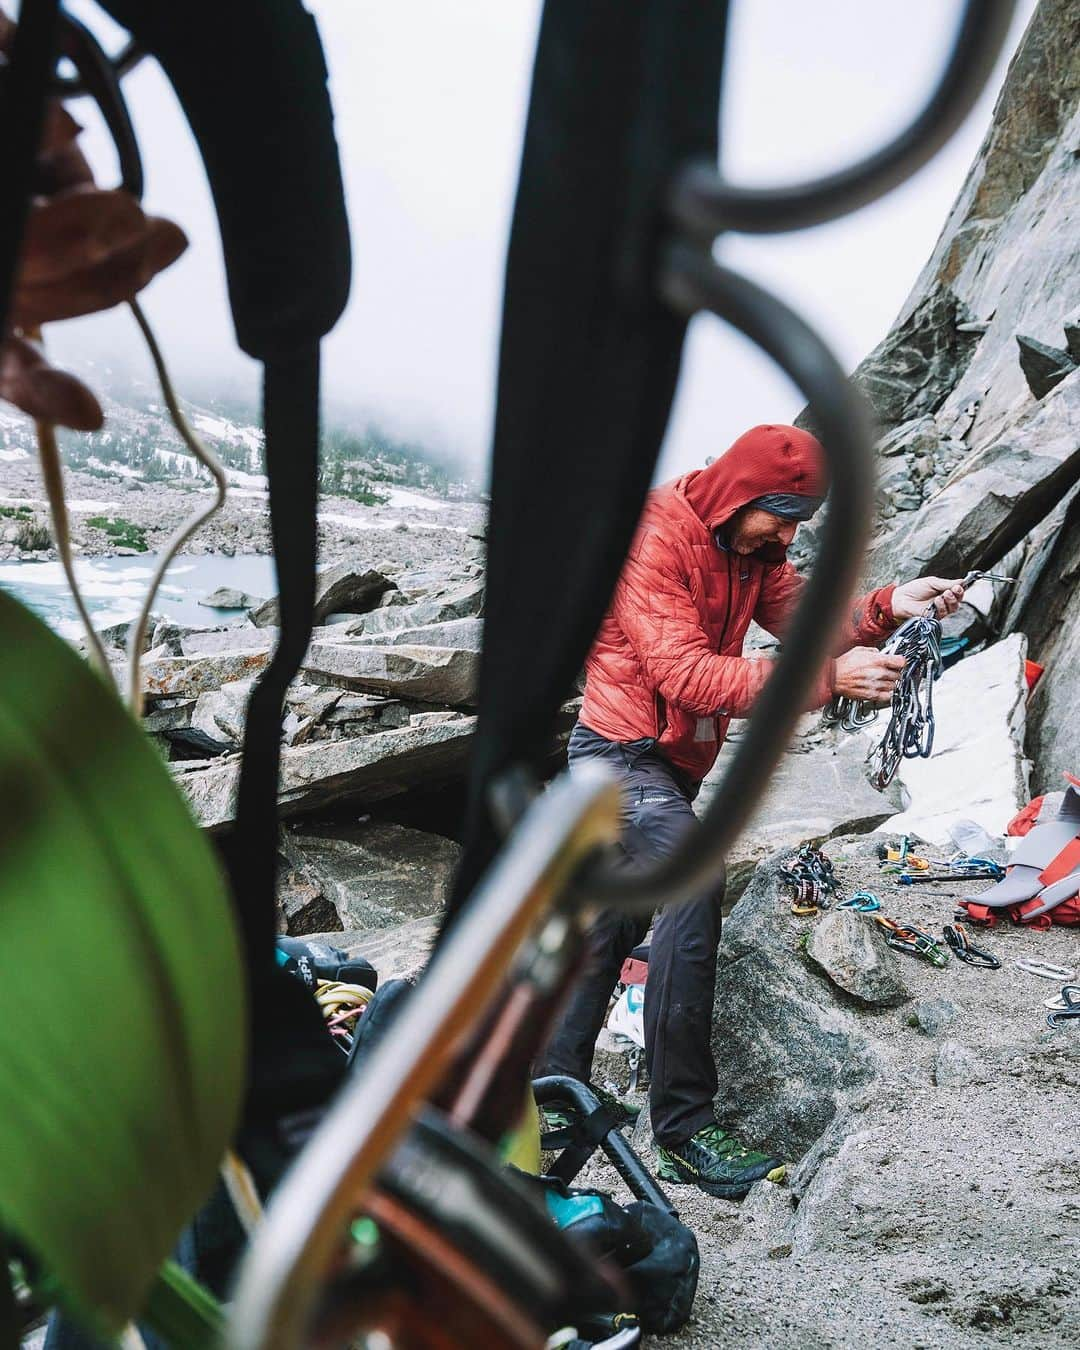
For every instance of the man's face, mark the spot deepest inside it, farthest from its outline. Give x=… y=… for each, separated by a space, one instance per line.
x=752 y=529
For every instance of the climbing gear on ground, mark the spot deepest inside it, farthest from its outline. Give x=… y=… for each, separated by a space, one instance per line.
x=342 y=1005
x=863 y=902
x=961 y=947
x=657 y=1253
x=1045 y=970
x=903 y=857
x=315 y=961
x=595 y=1218
x=928 y=878
x=1068 y=997
x=811 y=876
x=1067 y=912
x=964 y=863
x=343 y=986
x=717 y=1163
x=910 y=733
x=905 y=937
x=1044 y=871
x=1066 y=1008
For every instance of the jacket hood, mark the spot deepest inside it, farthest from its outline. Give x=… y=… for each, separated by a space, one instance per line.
x=763 y=460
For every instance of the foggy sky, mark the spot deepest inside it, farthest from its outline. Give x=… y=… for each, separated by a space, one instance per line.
x=430 y=103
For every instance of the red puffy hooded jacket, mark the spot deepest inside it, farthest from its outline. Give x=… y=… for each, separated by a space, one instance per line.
x=667 y=662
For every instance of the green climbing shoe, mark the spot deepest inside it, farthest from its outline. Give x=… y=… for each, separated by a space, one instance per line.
x=559 y=1120
x=718 y=1164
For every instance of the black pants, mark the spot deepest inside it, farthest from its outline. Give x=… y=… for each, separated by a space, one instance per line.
x=682 y=958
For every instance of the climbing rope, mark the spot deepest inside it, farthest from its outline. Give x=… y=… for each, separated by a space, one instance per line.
x=342 y=1006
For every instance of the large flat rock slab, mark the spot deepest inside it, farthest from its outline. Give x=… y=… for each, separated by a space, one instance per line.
x=189 y=676
x=460 y=634
x=322 y=773
x=431 y=674
x=999 y=493
x=461 y=601
x=374 y=873
x=338 y=590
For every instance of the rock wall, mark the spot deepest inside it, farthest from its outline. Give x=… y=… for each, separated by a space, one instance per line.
x=977 y=387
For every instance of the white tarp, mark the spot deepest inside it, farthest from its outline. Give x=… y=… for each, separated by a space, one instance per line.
x=977 y=769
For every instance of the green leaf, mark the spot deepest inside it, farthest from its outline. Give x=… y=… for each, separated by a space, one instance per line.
x=182 y=1312
x=122 y=1002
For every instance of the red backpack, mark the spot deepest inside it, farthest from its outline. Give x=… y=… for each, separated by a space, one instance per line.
x=1067 y=912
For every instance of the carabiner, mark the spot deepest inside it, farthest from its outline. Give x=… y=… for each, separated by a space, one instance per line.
x=957 y=938
x=862 y=902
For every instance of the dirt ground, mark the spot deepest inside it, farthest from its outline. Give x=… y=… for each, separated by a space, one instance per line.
x=941 y=1208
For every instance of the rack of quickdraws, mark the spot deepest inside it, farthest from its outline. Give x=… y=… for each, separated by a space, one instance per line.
x=810 y=874
x=910 y=732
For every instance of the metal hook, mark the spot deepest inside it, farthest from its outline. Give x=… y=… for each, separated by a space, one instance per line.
x=99 y=76
x=705 y=205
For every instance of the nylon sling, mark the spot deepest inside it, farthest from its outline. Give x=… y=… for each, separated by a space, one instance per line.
x=623 y=93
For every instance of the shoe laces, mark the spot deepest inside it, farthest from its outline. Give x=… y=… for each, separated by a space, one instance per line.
x=717 y=1140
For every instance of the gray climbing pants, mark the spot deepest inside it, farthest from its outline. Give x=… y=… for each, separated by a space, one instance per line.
x=682 y=957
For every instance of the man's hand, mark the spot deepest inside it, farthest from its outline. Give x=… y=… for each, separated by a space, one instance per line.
x=866 y=673
x=913 y=598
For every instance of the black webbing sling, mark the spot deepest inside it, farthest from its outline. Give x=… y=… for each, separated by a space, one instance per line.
x=251 y=78
x=623 y=93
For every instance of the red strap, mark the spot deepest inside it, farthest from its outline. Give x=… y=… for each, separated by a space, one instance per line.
x=981 y=914
x=634 y=972
x=1022 y=822
x=1020 y=913
x=1068 y=860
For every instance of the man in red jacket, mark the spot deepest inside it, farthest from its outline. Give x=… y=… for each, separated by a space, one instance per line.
x=664 y=678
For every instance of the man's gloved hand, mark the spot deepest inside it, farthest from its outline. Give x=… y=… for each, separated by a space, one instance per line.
x=911 y=599
x=866 y=673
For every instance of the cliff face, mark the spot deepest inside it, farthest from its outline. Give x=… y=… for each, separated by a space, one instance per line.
x=976 y=386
